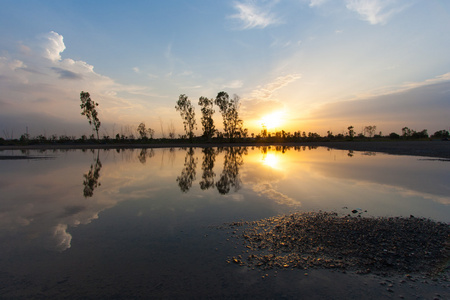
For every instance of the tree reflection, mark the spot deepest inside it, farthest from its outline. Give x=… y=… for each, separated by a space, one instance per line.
x=188 y=173
x=209 y=157
x=91 y=178
x=230 y=175
x=144 y=154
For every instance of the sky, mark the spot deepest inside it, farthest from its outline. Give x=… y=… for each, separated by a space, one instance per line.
x=297 y=65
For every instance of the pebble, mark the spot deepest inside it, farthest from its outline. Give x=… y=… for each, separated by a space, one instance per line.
x=328 y=240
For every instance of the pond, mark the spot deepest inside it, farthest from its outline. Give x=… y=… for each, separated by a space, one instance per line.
x=143 y=223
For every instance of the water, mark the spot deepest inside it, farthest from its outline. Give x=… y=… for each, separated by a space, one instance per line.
x=142 y=223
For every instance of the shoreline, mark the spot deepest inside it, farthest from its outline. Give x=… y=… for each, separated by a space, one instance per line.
x=435 y=149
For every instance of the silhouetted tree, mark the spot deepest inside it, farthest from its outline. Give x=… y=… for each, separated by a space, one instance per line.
x=145 y=132
x=188 y=173
x=406 y=132
x=209 y=157
x=91 y=178
x=207 y=117
x=394 y=136
x=420 y=135
x=142 y=130
x=441 y=134
x=184 y=106
x=229 y=108
x=88 y=109
x=351 y=132
x=370 y=130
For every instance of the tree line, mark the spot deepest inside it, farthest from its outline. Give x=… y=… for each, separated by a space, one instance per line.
x=232 y=127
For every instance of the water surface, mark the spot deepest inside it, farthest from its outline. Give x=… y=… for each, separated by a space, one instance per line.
x=141 y=223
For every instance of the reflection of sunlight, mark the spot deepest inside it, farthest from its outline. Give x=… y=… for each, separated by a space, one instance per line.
x=271 y=160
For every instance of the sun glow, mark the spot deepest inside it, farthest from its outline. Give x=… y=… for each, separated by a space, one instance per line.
x=270 y=160
x=273 y=120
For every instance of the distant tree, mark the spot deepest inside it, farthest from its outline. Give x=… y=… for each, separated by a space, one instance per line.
x=142 y=130
x=420 y=135
x=171 y=129
x=351 y=132
x=150 y=133
x=187 y=112
x=207 y=117
x=369 y=131
x=264 y=131
x=229 y=108
x=406 y=132
x=441 y=134
x=88 y=109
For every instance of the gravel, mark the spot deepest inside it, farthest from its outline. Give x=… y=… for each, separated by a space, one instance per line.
x=384 y=246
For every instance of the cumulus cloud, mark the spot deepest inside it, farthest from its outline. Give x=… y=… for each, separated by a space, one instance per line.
x=253 y=16
x=375 y=11
x=53 y=46
x=36 y=72
x=66 y=74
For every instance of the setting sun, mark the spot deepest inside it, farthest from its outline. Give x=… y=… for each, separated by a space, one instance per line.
x=273 y=120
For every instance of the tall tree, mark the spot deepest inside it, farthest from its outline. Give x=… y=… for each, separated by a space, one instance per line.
x=88 y=109
x=207 y=121
x=229 y=108
x=187 y=112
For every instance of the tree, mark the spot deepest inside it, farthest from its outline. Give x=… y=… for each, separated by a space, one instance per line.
x=184 y=106
x=229 y=108
x=441 y=134
x=406 y=132
x=370 y=130
x=88 y=109
x=142 y=130
x=351 y=132
x=207 y=121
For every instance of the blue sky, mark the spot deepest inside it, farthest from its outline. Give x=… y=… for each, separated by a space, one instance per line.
x=318 y=65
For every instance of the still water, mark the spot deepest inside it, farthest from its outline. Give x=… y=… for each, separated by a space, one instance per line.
x=142 y=223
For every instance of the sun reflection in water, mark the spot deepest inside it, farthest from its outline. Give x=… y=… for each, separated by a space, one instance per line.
x=271 y=160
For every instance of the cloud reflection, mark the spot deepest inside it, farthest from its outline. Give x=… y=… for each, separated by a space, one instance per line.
x=41 y=200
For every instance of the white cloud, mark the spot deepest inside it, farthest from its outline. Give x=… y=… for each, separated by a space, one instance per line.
x=39 y=84
x=53 y=46
x=136 y=70
x=375 y=11
x=269 y=89
x=313 y=3
x=253 y=16
x=235 y=84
